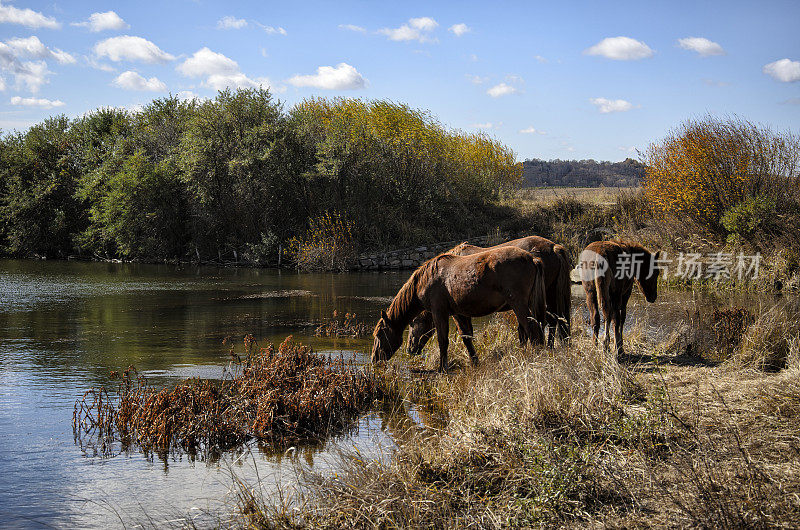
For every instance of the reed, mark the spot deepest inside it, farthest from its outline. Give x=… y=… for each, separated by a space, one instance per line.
x=277 y=395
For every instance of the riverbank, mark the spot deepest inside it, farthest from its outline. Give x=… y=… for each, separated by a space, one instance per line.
x=677 y=435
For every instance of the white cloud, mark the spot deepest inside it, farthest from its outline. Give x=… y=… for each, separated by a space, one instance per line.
x=627 y=149
x=791 y=101
x=26 y=17
x=459 y=29
x=32 y=74
x=91 y=61
x=352 y=27
x=531 y=130
x=271 y=30
x=341 y=77
x=784 y=70
x=502 y=89
x=418 y=29
x=186 y=95
x=32 y=48
x=701 y=45
x=2 y=84
x=540 y=59
x=473 y=57
x=36 y=102
x=129 y=48
x=103 y=21
x=487 y=125
x=230 y=22
x=131 y=80
x=234 y=81
x=206 y=62
x=221 y=72
x=607 y=106
x=476 y=79
x=620 y=49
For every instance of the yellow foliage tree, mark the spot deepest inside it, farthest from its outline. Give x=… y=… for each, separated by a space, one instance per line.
x=706 y=167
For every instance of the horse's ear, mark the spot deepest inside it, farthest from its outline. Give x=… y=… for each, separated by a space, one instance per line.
x=384 y=316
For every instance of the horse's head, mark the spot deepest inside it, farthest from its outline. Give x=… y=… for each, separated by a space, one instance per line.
x=648 y=277
x=386 y=341
x=421 y=330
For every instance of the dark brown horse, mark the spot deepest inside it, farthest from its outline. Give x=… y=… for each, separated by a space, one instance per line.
x=557 y=266
x=608 y=271
x=465 y=287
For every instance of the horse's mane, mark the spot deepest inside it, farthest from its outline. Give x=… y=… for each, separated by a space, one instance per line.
x=459 y=248
x=405 y=298
x=631 y=246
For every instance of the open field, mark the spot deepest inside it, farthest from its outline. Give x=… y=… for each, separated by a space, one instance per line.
x=599 y=196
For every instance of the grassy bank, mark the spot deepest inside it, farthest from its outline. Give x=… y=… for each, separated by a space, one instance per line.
x=679 y=436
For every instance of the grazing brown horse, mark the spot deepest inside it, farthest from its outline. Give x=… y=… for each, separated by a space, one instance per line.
x=608 y=271
x=557 y=266
x=465 y=287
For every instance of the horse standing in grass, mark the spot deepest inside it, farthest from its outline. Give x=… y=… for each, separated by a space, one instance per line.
x=608 y=271
x=465 y=287
x=557 y=266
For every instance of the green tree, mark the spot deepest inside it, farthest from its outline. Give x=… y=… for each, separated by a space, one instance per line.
x=39 y=208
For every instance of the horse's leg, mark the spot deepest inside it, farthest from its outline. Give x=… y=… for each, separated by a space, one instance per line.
x=524 y=319
x=619 y=322
x=465 y=329
x=594 y=313
x=551 y=318
x=441 y=320
x=622 y=312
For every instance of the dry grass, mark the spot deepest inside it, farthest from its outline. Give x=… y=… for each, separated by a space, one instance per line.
x=346 y=325
x=569 y=437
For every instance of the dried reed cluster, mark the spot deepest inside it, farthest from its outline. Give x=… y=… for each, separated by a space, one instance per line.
x=279 y=395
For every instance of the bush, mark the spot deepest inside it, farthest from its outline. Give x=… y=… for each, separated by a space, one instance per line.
x=742 y=220
x=714 y=172
x=327 y=245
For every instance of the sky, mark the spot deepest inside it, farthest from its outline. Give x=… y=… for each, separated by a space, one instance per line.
x=567 y=80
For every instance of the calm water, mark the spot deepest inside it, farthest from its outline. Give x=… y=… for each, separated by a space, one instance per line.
x=65 y=325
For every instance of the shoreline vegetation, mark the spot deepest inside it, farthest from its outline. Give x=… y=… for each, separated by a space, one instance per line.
x=241 y=180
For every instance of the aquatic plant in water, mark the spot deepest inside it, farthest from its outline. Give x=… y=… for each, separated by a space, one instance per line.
x=277 y=395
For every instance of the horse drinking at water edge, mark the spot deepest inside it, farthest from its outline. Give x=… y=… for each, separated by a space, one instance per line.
x=557 y=266
x=465 y=287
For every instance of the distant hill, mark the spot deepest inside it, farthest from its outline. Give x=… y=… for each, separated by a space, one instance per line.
x=581 y=173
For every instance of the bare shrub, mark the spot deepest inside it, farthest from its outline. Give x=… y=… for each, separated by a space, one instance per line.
x=328 y=244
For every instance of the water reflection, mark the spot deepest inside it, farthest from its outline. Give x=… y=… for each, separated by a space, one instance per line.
x=64 y=326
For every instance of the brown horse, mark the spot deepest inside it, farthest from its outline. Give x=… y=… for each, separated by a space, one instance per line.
x=557 y=266
x=608 y=271
x=465 y=287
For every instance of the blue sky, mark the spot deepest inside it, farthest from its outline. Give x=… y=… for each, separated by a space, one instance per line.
x=550 y=79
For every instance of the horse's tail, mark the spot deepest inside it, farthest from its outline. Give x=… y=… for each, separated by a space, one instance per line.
x=538 y=301
x=563 y=292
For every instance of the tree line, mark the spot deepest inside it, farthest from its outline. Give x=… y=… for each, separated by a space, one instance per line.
x=236 y=177
x=582 y=173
